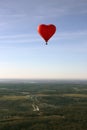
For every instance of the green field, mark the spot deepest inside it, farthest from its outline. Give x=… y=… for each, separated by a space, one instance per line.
x=43 y=106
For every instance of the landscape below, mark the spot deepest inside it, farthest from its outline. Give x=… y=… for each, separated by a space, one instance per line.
x=43 y=105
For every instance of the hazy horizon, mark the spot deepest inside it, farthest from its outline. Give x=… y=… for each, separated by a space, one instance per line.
x=43 y=80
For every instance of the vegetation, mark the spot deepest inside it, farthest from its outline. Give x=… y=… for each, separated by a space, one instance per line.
x=43 y=106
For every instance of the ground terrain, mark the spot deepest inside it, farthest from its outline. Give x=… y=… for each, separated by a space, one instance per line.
x=43 y=106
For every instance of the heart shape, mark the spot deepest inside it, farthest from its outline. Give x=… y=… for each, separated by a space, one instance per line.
x=46 y=31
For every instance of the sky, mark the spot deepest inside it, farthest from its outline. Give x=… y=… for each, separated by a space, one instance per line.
x=23 y=53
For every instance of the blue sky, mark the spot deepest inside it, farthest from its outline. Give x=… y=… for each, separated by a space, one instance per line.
x=23 y=53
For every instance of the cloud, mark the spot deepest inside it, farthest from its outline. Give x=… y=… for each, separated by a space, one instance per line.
x=20 y=14
x=71 y=35
x=20 y=38
x=42 y=8
x=26 y=38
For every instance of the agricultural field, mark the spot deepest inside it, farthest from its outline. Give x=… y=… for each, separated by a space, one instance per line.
x=43 y=105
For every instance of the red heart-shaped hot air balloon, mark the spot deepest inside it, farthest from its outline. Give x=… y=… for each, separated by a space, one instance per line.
x=46 y=31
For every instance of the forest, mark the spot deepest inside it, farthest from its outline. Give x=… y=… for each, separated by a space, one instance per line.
x=43 y=106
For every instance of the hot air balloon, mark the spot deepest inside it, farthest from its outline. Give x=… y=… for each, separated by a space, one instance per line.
x=46 y=31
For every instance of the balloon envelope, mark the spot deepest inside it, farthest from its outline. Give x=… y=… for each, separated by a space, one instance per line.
x=46 y=31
